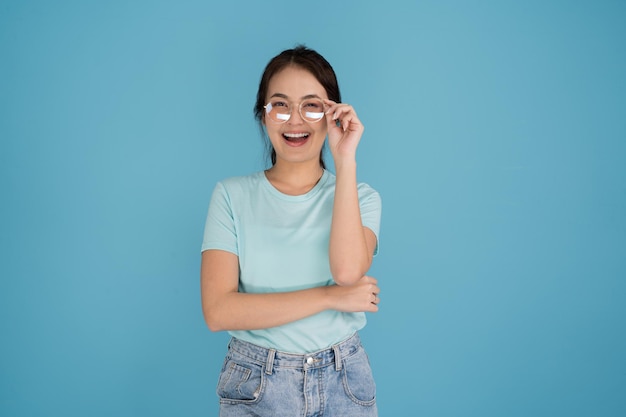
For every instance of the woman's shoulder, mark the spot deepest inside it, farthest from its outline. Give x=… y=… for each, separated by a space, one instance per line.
x=239 y=186
x=249 y=180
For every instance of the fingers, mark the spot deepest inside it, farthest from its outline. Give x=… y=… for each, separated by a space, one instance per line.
x=374 y=290
x=372 y=284
x=343 y=113
x=337 y=109
x=364 y=296
x=373 y=307
x=376 y=300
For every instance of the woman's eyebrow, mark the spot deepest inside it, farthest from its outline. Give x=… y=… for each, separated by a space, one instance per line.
x=281 y=95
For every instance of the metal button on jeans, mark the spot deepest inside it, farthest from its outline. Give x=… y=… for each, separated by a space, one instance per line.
x=309 y=361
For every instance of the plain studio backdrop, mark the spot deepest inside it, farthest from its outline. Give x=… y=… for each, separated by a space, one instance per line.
x=495 y=133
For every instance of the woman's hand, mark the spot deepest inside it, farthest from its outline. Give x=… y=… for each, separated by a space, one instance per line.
x=363 y=296
x=344 y=130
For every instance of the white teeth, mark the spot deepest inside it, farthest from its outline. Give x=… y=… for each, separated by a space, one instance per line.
x=296 y=135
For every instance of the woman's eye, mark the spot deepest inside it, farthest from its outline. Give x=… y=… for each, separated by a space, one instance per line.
x=279 y=104
x=313 y=106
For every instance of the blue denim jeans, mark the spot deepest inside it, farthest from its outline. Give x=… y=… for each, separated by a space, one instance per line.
x=335 y=382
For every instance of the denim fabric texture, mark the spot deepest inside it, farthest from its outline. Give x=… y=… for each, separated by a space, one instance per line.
x=335 y=382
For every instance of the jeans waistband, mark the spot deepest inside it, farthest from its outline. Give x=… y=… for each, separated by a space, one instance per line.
x=273 y=358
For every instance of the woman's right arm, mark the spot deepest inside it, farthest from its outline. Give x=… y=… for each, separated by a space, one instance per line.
x=225 y=308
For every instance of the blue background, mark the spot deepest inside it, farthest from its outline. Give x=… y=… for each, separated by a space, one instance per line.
x=495 y=133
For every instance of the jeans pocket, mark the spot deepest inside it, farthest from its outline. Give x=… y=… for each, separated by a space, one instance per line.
x=240 y=382
x=358 y=380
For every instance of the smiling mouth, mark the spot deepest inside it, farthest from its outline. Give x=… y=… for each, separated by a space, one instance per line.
x=295 y=137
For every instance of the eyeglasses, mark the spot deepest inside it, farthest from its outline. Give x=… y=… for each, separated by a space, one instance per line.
x=279 y=110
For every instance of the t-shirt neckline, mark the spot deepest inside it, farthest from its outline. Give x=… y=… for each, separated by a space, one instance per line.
x=295 y=198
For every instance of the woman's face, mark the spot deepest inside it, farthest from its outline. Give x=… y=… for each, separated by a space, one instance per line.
x=295 y=140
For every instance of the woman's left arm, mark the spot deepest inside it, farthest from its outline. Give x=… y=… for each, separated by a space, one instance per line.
x=351 y=244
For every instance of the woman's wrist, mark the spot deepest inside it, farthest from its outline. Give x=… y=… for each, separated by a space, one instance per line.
x=346 y=163
x=330 y=297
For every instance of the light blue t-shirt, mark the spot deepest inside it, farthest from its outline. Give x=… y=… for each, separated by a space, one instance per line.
x=282 y=244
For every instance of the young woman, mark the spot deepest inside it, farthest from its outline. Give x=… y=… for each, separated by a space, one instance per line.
x=286 y=252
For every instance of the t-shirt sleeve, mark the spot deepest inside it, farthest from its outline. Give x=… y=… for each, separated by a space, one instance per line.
x=220 y=230
x=371 y=208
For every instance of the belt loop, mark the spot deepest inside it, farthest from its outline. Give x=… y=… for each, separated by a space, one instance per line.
x=337 y=358
x=269 y=364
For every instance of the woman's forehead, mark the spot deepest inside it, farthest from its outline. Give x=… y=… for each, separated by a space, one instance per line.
x=295 y=82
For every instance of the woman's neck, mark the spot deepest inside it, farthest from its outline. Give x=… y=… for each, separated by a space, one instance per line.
x=294 y=179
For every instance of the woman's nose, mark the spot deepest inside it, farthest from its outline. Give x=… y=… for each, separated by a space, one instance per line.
x=295 y=118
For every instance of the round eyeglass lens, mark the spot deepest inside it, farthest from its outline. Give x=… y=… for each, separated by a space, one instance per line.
x=311 y=110
x=278 y=110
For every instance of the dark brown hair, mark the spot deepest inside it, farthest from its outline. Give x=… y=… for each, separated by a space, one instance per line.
x=307 y=59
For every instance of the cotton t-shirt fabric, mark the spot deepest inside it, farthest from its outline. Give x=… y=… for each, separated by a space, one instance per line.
x=282 y=244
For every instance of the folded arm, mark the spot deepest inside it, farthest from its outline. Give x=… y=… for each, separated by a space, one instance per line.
x=225 y=308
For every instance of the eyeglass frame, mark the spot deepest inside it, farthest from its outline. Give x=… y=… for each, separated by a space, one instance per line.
x=267 y=111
